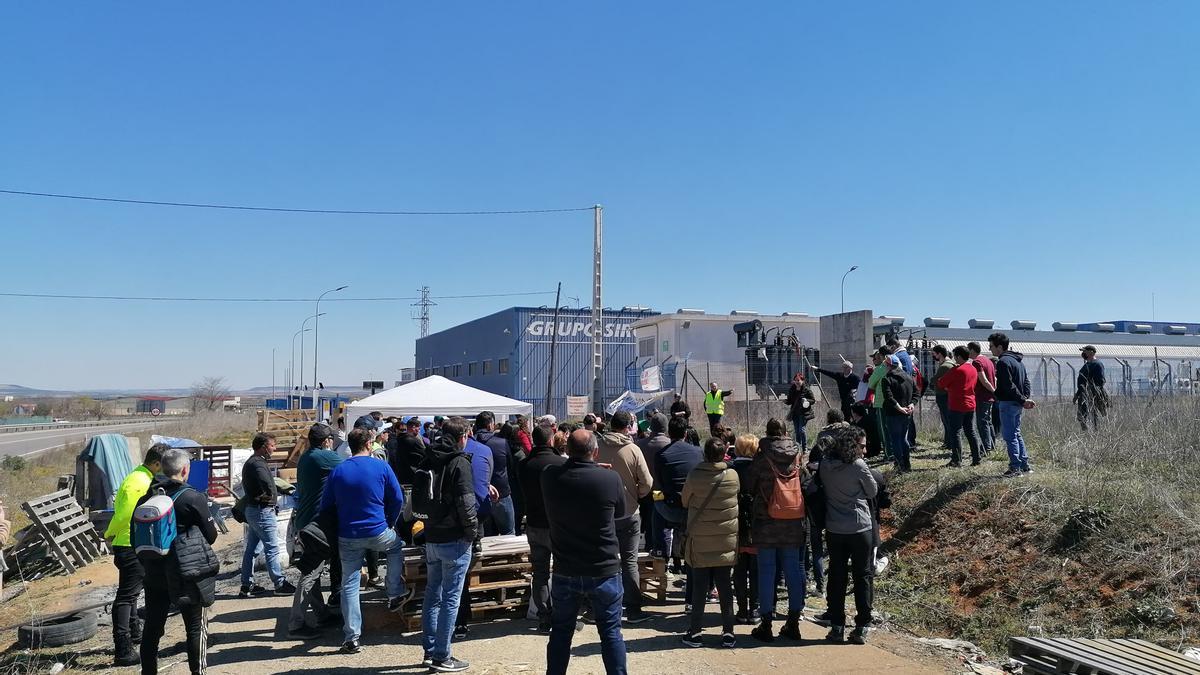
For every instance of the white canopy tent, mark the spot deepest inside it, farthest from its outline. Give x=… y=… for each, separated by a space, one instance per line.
x=435 y=395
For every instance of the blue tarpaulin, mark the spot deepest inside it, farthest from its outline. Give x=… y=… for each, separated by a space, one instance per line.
x=100 y=469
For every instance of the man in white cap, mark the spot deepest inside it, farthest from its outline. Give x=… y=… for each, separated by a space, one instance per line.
x=847 y=384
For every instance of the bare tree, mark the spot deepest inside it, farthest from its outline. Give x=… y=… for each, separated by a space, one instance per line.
x=209 y=393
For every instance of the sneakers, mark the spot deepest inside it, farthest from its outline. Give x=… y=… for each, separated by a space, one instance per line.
x=253 y=591
x=374 y=582
x=427 y=660
x=305 y=632
x=397 y=604
x=1012 y=473
x=728 y=641
x=858 y=636
x=636 y=616
x=350 y=647
x=286 y=588
x=449 y=665
x=460 y=632
x=836 y=635
x=881 y=564
x=762 y=632
x=822 y=619
x=692 y=640
x=1027 y=471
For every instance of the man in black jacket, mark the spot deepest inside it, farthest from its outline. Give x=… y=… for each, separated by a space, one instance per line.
x=163 y=582
x=1091 y=401
x=260 y=527
x=1012 y=399
x=671 y=468
x=847 y=384
x=450 y=532
x=898 y=393
x=583 y=501
x=407 y=451
x=537 y=526
x=503 y=515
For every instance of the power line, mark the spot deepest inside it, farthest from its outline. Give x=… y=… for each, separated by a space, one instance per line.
x=277 y=209
x=57 y=296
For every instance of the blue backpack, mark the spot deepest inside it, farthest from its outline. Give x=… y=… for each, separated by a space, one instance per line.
x=154 y=525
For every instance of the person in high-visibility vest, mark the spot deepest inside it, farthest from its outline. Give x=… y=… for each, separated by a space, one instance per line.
x=714 y=404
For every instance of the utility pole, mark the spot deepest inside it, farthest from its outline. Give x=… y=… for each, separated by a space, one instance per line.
x=553 y=344
x=424 y=303
x=272 y=372
x=597 y=311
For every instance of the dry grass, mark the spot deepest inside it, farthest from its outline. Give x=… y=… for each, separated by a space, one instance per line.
x=1102 y=541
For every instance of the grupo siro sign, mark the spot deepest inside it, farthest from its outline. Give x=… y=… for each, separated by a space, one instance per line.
x=617 y=330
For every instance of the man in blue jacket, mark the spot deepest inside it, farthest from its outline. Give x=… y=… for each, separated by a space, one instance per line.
x=1012 y=399
x=502 y=520
x=368 y=499
x=485 y=495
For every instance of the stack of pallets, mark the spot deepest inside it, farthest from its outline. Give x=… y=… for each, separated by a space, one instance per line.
x=61 y=525
x=288 y=425
x=498 y=580
x=1097 y=657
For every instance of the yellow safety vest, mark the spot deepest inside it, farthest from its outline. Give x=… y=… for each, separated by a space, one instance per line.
x=714 y=404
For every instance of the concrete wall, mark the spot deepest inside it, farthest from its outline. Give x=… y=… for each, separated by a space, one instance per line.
x=849 y=334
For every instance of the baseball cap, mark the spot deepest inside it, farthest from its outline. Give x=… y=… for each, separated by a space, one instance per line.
x=547 y=420
x=413 y=420
x=438 y=419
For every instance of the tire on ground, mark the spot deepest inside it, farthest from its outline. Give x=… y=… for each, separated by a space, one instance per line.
x=66 y=630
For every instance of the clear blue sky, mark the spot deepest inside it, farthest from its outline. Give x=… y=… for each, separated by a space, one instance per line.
x=1007 y=160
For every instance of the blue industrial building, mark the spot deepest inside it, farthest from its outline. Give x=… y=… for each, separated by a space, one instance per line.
x=508 y=353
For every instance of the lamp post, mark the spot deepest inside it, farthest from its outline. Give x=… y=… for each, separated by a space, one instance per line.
x=852 y=268
x=293 y=366
x=317 y=335
x=302 y=325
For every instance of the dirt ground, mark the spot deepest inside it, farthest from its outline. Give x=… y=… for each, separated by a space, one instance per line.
x=250 y=636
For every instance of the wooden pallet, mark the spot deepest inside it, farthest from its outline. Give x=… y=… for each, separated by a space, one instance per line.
x=1098 y=657
x=65 y=529
x=288 y=425
x=652 y=576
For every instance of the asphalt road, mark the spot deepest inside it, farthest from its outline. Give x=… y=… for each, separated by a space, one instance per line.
x=33 y=442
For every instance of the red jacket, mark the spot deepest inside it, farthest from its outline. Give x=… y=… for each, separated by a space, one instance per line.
x=959 y=385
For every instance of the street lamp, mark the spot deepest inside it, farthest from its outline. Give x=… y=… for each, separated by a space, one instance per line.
x=293 y=365
x=302 y=325
x=852 y=268
x=317 y=332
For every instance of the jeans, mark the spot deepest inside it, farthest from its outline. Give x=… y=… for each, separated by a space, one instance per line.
x=260 y=528
x=352 y=551
x=897 y=428
x=745 y=582
x=1010 y=430
x=308 y=596
x=539 y=559
x=702 y=577
x=158 y=606
x=943 y=405
x=814 y=555
x=964 y=421
x=789 y=559
x=464 y=600
x=447 y=565
x=800 y=426
x=129 y=588
x=983 y=423
x=502 y=519
x=629 y=533
x=859 y=549
x=604 y=594
x=667 y=519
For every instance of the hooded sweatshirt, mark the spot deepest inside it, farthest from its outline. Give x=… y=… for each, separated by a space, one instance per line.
x=1012 y=384
x=848 y=491
x=452 y=517
x=618 y=449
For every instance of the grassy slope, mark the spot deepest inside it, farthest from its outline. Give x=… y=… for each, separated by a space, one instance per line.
x=1102 y=541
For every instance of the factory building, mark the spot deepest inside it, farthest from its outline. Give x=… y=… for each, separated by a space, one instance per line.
x=508 y=353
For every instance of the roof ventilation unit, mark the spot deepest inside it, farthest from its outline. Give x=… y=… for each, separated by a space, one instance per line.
x=635 y=308
x=685 y=310
x=981 y=324
x=1023 y=325
x=1140 y=328
x=936 y=322
x=893 y=320
x=797 y=314
x=1105 y=327
x=743 y=312
x=1175 y=330
x=1065 y=327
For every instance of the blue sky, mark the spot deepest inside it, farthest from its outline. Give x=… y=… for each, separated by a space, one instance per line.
x=1006 y=160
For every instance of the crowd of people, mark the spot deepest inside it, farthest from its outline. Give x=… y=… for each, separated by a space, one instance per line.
x=738 y=517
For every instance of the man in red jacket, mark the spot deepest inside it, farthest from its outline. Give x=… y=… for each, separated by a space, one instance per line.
x=959 y=385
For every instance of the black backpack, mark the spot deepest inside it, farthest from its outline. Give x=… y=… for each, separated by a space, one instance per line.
x=427 y=489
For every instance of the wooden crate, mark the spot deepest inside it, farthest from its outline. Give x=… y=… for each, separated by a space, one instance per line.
x=652 y=576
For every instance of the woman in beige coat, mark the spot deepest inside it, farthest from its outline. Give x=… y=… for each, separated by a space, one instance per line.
x=711 y=497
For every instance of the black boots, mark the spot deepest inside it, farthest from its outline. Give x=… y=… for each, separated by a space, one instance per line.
x=762 y=632
x=791 y=629
x=126 y=654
